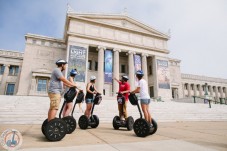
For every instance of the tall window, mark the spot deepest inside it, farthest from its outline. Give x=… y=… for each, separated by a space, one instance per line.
x=10 y=89
x=2 y=68
x=13 y=70
x=151 y=91
x=42 y=85
x=150 y=70
x=89 y=64
x=96 y=66
x=123 y=68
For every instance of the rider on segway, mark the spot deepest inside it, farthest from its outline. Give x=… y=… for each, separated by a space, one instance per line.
x=142 y=88
x=124 y=89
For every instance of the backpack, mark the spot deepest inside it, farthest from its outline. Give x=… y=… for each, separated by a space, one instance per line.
x=70 y=94
x=80 y=97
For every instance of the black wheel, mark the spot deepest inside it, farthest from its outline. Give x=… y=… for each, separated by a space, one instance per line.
x=71 y=124
x=44 y=125
x=115 y=119
x=154 y=128
x=83 y=122
x=141 y=127
x=129 y=123
x=55 y=129
x=96 y=120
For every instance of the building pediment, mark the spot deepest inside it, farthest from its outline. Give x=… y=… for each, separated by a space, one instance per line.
x=120 y=21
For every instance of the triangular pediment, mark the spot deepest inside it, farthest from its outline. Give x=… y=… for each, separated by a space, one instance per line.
x=122 y=21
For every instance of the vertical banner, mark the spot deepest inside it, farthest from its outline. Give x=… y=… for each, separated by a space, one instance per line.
x=108 y=66
x=163 y=75
x=137 y=64
x=77 y=60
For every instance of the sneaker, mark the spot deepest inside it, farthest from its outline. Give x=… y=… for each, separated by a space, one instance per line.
x=151 y=126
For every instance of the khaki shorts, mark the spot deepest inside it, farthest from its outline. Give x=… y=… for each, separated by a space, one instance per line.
x=55 y=100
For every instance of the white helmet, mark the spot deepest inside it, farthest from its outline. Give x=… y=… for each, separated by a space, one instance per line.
x=92 y=78
x=61 y=61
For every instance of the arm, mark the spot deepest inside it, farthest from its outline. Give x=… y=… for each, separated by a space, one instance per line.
x=116 y=80
x=127 y=89
x=66 y=82
x=137 y=90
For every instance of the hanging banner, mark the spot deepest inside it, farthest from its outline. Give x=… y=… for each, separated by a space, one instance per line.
x=163 y=74
x=77 y=60
x=137 y=62
x=108 y=66
x=138 y=66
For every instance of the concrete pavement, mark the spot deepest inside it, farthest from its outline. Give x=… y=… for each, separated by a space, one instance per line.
x=176 y=136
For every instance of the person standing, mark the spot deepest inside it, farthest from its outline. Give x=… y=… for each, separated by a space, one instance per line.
x=124 y=89
x=56 y=86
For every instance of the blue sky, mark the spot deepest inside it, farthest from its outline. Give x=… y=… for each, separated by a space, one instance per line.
x=198 y=27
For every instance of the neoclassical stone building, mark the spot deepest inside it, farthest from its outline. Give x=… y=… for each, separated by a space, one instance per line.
x=106 y=46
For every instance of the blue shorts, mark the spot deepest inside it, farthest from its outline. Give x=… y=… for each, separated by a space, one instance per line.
x=89 y=101
x=145 y=101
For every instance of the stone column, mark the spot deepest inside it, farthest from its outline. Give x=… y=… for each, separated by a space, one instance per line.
x=200 y=91
x=221 y=92
x=211 y=91
x=116 y=70
x=183 y=90
x=189 y=89
x=155 y=75
x=131 y=69
x=195 y=89
x=216 y=92
x=100 y=78
x=4 y=79
x=144 y=66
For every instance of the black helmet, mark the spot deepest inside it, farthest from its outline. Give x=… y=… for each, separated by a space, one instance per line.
x=60 y=62
x=125 y=78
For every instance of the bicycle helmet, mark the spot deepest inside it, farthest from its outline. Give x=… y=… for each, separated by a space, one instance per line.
x=139 y=72
x=125 y=78
x=92 y=78
x=60 y=62
x=73 y=72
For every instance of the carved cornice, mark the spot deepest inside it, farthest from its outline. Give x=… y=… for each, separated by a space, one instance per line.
x=11 y=54
x=117 y=42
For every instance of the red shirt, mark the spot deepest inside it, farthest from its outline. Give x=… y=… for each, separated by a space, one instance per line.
x=124 y=87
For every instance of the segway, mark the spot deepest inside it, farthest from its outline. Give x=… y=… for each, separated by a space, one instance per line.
x=56 y=129
x=128 y=123
x=93 y=121
x=70 y=120
x=141 y=127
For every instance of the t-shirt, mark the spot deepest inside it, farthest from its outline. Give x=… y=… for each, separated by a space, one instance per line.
x=56 y=84
x=143 y=89
x=124 y=87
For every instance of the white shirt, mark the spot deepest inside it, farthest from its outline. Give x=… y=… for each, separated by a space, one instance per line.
x=143 y=89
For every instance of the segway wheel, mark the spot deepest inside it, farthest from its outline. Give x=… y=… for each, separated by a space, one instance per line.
x=141 y=127
x=44 y=126
x=129 y=123
x=55 y=130
x=96 y=120
x=83 y=122
x=154 y=128
x=71 y=124
x=115 y=119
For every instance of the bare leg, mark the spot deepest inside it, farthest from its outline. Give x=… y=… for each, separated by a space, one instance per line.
x=80 y=108
x=149 y=115
x=64 y=110
x=68 y=109
x=144 y=108
x=51 y=114
x=88 y=110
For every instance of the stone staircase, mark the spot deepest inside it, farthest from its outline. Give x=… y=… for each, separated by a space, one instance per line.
x=33 y=110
